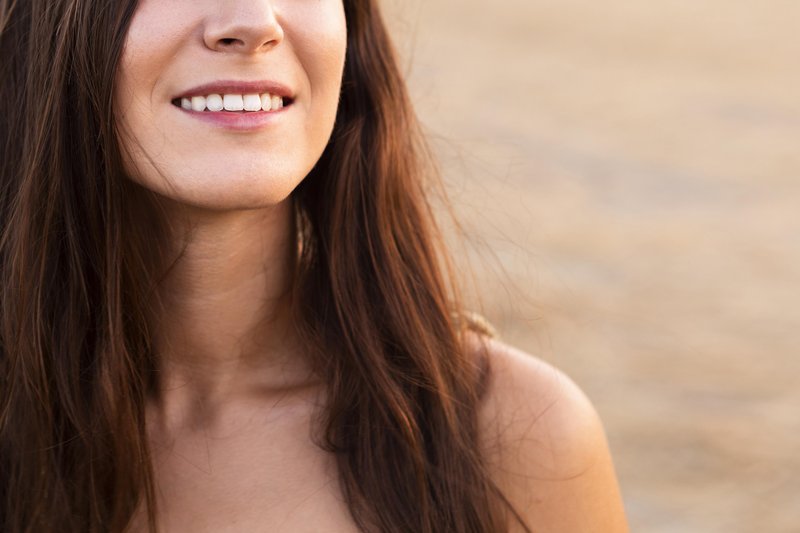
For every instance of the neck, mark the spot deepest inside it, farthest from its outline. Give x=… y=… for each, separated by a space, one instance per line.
x=225 y=331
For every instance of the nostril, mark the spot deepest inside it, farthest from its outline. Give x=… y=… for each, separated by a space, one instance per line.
x=227 y=41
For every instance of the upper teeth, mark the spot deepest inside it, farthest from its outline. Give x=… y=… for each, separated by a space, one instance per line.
x=233 y=102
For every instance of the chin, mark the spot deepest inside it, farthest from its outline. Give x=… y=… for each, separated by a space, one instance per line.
x=236 y=198
x=226 y=188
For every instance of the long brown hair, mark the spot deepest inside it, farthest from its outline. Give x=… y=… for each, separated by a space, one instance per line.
x=373 y=296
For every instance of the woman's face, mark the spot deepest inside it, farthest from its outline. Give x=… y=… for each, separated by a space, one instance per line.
x=184 y=59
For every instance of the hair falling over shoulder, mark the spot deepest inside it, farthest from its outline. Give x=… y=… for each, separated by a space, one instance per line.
x=373 y=294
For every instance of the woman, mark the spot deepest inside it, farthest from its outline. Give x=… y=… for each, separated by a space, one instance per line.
x=224 y=306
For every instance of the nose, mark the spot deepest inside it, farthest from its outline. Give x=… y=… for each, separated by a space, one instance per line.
x=243 y=26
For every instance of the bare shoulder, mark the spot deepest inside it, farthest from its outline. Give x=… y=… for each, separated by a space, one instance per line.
x=546 y=447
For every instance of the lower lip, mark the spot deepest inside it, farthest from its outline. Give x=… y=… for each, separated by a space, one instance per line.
x=238 y=121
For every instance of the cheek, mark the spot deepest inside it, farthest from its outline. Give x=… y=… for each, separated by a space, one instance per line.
x=320 y=42
x=155 y=36
x=145 y=58
x=137 y=133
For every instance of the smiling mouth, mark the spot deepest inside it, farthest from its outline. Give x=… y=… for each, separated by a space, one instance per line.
x=233 y=103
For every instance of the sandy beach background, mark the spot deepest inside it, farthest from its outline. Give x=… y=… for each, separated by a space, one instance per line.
x=627 y=173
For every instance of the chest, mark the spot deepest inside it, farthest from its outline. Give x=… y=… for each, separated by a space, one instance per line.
x=271 y=480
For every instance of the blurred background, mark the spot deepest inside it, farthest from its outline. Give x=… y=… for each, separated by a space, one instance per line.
x=627 y=173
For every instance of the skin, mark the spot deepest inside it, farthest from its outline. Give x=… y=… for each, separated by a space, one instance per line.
x=547 y=449
x=230 y=424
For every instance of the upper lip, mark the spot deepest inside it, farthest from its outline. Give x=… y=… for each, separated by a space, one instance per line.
x=238 y=87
